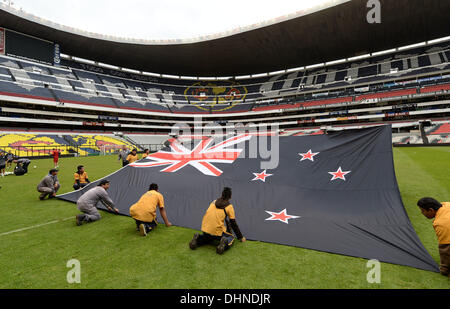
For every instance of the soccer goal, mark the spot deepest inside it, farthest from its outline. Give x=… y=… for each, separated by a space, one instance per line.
x=110 y=149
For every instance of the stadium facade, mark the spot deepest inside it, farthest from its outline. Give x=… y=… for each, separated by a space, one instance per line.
x=57 y=81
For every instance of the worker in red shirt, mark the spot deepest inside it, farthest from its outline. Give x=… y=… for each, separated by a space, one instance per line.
x=55 y=154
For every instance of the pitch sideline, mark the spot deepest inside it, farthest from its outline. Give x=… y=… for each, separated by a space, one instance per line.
x=35 y=226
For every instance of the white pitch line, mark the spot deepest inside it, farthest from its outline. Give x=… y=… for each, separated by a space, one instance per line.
x=35 y=226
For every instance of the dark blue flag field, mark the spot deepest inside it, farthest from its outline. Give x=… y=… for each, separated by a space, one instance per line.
x=335 y=192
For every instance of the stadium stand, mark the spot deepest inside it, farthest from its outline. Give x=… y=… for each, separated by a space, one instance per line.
x=148 y=140
x=81 y=78
x=401 y=86
x=440 y=129
x=38 y=144
x=415 y=138
x=436 y=88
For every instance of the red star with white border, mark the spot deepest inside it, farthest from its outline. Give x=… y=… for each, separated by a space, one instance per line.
x=262 y=176
x=280 y=216
x=339 y=174
x=309 y=155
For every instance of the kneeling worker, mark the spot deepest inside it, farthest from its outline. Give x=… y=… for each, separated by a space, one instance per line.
x=81 y=178
x=22 y=166
x=213 y=226
x=440 y=212
x=144 y=211
x=48 y=185
x=87 y=203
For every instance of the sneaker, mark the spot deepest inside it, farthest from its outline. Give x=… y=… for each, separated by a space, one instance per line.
x=193 y=243
x=142 y=230
x=221 y=247
x=79 y=219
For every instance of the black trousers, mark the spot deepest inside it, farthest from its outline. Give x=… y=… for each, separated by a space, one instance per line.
x=149 y=226
x=444 y=252
x=206 y=238
x=25 y=167
x=81 y=185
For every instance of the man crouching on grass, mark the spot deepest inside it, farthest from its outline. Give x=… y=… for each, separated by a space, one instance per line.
x=431 y=208
x=144 y=211
x=49 y=185
x=213 y=226
x=87 y=203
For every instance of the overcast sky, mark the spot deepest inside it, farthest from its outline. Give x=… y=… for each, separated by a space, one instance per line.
x=160 y=19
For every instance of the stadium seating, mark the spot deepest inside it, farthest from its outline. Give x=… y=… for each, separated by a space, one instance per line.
x=32 y=145
x=438 y=133
x=148 y=139
x=384 y=88
x=142 y=104
x=380 y=95
x=25 y=90
x=77 y=82
x=84 y=98
x=440 y=129
x=435 y=88
x=415 y=138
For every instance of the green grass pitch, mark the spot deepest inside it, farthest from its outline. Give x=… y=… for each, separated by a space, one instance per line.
x=113 y=255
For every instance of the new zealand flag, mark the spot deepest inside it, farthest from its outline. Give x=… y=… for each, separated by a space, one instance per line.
x=335 y=192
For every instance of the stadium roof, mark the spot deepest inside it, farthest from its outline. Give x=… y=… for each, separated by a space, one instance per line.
x=325 y=34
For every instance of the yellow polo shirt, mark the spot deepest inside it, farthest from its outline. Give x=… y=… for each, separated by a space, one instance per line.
x=213 y=220
x=441 y=224
x=145 y=209
x=82 y=178
x=131 y=158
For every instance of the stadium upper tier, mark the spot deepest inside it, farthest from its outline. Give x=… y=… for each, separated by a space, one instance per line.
x=339 y=30
x=399 y=73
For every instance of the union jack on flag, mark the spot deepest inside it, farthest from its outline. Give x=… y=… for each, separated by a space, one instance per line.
x=201 y=156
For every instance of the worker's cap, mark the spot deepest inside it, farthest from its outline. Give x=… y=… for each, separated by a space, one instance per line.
x=53 y=170
x=103 y=182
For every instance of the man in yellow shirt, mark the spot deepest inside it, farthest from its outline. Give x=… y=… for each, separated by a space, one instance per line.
x=81 y=178
x=132 y=157
x=145 y=154
x=431 y=208
x=213 y=226
x=144 y=211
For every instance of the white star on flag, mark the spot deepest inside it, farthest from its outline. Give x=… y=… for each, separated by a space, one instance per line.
x=309 y=155
x=339 y=174
x=280 y=216
x=262 y=176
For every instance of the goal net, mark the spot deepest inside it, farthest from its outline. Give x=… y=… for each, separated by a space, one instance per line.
x=110 y=149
